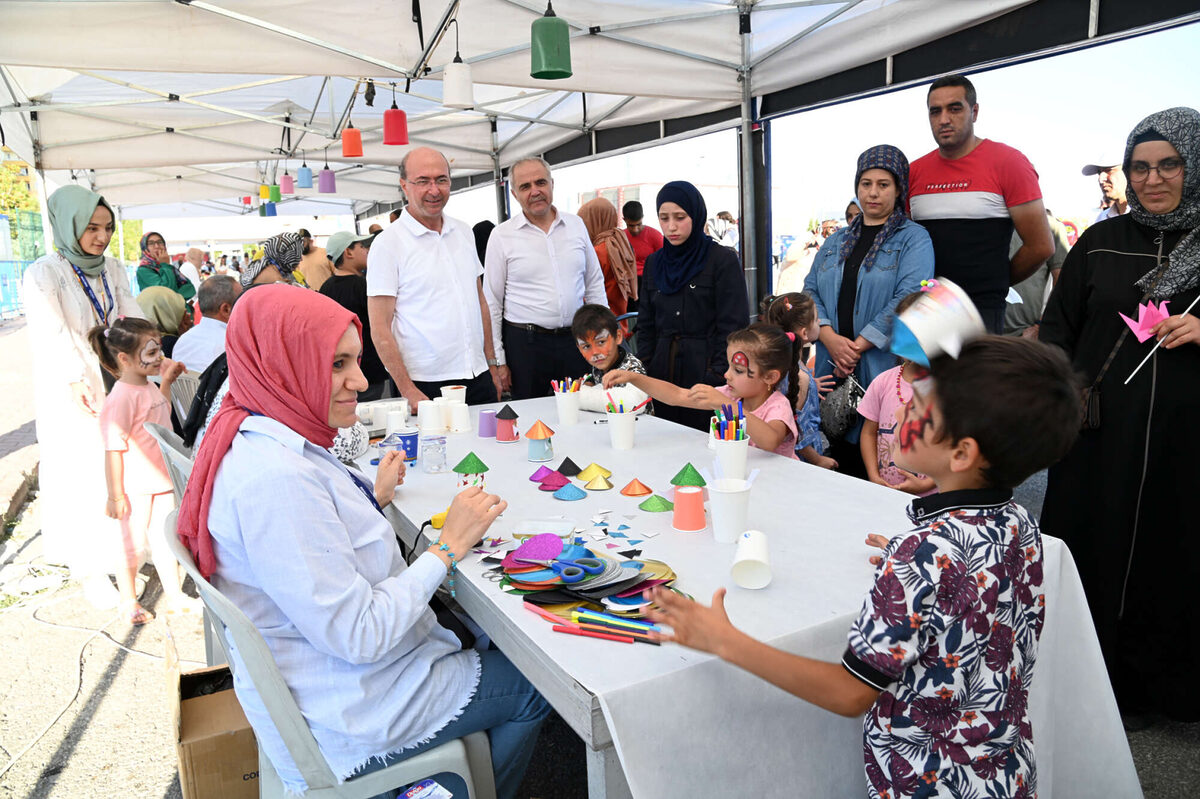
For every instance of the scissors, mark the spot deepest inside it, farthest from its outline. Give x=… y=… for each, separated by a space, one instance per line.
x=571 y=571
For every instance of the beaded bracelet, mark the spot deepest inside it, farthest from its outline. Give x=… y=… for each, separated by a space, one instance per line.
x=444 y=547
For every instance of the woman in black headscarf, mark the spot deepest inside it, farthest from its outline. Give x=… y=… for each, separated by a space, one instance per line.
x=1118 y=498
x=693 y=297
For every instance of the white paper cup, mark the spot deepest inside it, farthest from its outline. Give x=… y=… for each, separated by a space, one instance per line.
x=732 y=457
x=455 y=393
x=396 y=420
x=443 y=405
x=363 y=411
x=729 y=501
x=379 y=412
x=429 y=417
x=400 y=405
x=567 y=403
x=460 y=417
x=751 y=565
x=620 y=429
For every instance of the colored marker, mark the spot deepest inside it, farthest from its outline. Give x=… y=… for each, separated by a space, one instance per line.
x=572 y=630
x=604 y=618
x=600 y=628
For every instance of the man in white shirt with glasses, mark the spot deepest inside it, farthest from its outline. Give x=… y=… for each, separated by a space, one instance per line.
x=429 y=319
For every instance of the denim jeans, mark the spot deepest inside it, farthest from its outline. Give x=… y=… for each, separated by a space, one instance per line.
x=508 y=708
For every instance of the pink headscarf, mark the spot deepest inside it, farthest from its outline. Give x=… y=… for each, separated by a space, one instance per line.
x=280 y=345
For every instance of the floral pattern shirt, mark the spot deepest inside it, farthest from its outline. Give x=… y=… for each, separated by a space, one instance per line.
x=949 y=635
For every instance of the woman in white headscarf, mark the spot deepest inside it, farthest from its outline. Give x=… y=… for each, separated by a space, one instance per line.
x=67 y=293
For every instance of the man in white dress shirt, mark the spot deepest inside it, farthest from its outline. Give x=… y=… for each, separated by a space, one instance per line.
x=201 y=345
x=429 y=319
x=541 y=267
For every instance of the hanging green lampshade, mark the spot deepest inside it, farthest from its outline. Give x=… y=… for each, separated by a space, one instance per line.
x=275 y=193
x=550 y=47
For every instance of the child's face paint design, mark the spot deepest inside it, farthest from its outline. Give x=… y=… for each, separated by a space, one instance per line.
x=739 y=359
x=151 y=354
x=743 y=378
x=599 y=349
x=912 y=429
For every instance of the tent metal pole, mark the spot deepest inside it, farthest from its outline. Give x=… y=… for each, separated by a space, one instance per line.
x=748 y=221
x=120 y=235
x=498 y=174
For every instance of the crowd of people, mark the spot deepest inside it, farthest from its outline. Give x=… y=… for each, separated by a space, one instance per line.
x=289 y=342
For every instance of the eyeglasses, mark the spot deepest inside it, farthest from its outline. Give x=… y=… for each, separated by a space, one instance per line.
x=424 y=183
x=1167 y=168
x=156 y=243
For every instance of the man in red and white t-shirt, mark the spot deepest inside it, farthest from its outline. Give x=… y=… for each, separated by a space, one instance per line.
x=970 y=193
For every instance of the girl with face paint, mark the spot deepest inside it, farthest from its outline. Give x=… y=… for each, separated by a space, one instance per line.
x=139 y=490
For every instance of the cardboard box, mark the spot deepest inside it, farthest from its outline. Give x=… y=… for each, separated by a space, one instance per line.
x=218 y=756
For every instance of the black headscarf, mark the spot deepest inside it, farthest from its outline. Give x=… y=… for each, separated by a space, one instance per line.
x=1181 y=128
x=483 y=232
x=674 y=264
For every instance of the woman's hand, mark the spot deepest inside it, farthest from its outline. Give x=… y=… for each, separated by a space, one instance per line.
x=875 y=540
x=81 y=392
x=842 y=350
x=1176 y=330
x=617 y=377
x=471 y=514
x=117 y=508
x=693 y=625
x=704 y=396
x=391 y=474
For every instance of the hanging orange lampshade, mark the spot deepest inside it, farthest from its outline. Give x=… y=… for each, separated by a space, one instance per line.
x=351 y=142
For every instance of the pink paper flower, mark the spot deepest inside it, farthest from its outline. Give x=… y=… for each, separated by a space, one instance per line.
x=1149 y=315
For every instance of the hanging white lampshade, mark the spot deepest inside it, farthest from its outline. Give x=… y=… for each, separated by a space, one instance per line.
x=457 y=89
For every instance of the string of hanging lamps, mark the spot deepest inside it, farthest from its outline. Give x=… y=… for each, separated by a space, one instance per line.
x=550 y=46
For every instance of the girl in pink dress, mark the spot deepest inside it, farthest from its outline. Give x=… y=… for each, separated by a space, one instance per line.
x=139 y=489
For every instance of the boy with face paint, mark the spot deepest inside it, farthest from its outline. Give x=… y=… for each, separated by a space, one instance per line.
x=942 y=653
x=602 y=345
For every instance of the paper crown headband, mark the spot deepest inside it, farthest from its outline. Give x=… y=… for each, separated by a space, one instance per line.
x=941 y=321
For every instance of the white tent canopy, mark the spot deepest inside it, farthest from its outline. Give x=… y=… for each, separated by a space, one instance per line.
x=170 y=101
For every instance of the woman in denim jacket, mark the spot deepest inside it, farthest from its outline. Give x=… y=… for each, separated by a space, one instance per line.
x=859 y=275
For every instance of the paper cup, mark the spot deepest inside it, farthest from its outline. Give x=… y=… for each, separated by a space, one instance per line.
x=363 y=411
x=731 y=455
x=455 y=393
x=379 y=412
x=429 y=417
x=487 y=424
x=400 y=405
x=620 y=429
x=941 y=320
x=408 y=441
x=689 y=510
x=443 y=405
x=751 y=565
x=730 y=504
x=396 y=420
x=460 y=417
x=567 y=403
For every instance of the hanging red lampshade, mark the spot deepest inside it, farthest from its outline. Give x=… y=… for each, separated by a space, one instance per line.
x=395 y=125
x=246 y=200
x=351 y=141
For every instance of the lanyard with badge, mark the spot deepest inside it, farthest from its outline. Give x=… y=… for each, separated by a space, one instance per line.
x=100 y=311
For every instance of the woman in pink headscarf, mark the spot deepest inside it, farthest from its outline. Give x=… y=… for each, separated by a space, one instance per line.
x=298 y=542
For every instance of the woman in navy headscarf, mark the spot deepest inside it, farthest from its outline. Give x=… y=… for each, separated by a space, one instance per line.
x=693 y=297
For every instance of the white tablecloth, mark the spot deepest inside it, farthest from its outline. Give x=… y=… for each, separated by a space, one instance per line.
x=687 y=724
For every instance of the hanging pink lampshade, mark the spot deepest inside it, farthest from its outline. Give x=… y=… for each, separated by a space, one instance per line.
x=326 y=181
x=351 y=142
x=287 y=184
x=395 y=125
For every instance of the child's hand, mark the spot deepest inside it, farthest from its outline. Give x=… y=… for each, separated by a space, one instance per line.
x=825 y=462
x=169 y=370
x=876 y=540
x=617 y=377
x=703 y=395
x=117 y=508
x=825 y=384
x=692 y=624
x=912 y=484
x=391 y=474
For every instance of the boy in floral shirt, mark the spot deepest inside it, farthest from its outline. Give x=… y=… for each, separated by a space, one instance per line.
x=942 y=653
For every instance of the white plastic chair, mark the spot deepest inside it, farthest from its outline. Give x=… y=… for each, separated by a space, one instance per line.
x=176 y=456
x=469 y=757
x=183 y=391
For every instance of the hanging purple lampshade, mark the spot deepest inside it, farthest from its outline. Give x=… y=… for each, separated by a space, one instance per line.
x=271 y=209
x=287 y=184
x=326 y=181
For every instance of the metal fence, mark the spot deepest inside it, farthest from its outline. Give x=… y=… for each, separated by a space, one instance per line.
x=12 y=304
